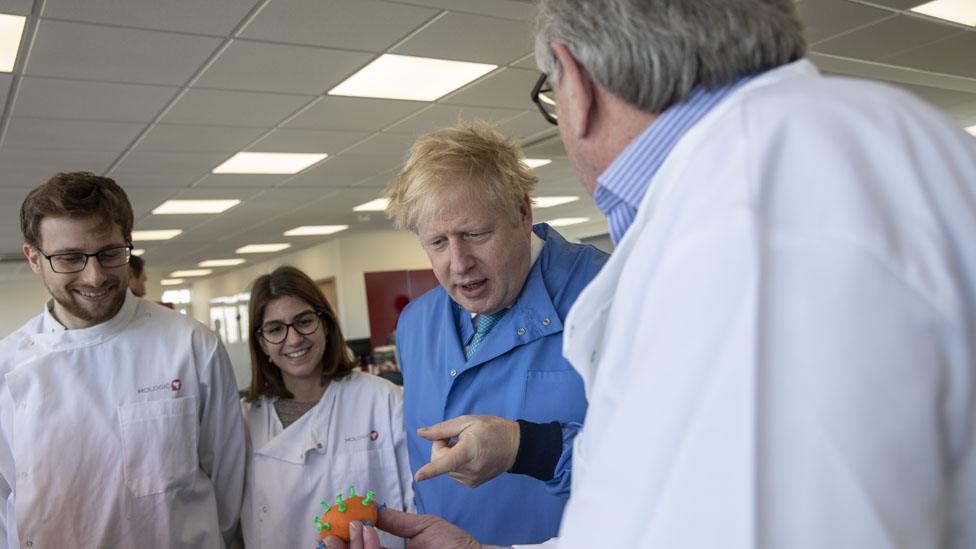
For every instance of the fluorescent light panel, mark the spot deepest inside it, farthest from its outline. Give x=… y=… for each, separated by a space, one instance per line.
x=221 y=262
x=172 y=281
x=11 y=29
x=262 y=248
x=957 y=11
x=972 y=130
x=565 y=221
x=550 y=201
x=190 y=272
x=536 y=162
x=392 y=76
x=179 y=207
x=160 y=234
x=268 y=163
x=309 y=230
x=377 y=205
x=138 y=251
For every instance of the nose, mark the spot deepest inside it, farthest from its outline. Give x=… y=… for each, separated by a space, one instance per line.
x=293 y=337
x=461 y=259
x=93 y=274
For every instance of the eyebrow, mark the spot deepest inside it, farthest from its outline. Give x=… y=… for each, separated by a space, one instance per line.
x=81 y=251
x=266 y=322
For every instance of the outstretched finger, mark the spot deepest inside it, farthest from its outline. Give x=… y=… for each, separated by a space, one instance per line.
x=448 y=461
x=444 y=430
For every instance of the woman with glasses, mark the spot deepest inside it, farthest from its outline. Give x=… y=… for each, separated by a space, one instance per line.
x=316 y=424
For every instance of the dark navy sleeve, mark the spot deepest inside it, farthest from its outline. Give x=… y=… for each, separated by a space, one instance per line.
x=540 y=445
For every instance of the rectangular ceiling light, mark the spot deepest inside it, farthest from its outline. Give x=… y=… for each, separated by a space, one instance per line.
x=309 y=230
x=565 y=221
x=171 y=281
x=377 y=205
x=221 y=262
x=536 y=162
x=178 y=207
x=11 y=29
x=957 y=11
x=268 y=163
x=190 y=272
x=550 y=201
x=160 y=234
x=262 y=248
x=971 y=129
x=138 y=251
x=392 y=76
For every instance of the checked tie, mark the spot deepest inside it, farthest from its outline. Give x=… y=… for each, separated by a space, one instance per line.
x=485 y=323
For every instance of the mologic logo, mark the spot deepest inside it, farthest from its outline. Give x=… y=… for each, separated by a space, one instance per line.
x=175 y=385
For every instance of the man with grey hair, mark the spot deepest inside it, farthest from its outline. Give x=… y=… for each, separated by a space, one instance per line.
x=780 y=352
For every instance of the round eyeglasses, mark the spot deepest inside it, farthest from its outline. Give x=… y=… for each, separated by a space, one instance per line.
x=543 y=98
x=275 y=332
x=75 y=262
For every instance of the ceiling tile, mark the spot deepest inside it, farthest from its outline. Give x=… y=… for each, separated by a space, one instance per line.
x=900 y=4
x=48 y=162
x=243 y=194
x=41 y=133
x=307 y=141
x=527 y=124
x=233 y=108
x=352 y=113
x=194 y=138
x=349 y=24
x=509 y=9
x=442 y=116
x=215 y=17
x=258 y=66
x=144 y=199
x=507 y=88
x=165 y=179
x=175 y=162
x=527 y=62
x=940 y=97
x=384 y=144
x=76 y=50
x=953 y=55
x=17 y=7
x=826 y=18
x=79 y=100
x=886 y=37
x=466 y=37
x=345 y=170
x=237 y=180
x=5 y=80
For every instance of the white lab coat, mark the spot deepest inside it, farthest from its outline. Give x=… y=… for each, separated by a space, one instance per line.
x=125 y=434
x=353 y=436
x=781 y=352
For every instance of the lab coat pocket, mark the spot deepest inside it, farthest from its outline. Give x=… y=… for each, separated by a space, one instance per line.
x=553 y=396
x=159 y=443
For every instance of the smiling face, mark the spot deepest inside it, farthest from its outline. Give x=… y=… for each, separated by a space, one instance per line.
x=89 y=297
x=299 y=357
x=478 y=254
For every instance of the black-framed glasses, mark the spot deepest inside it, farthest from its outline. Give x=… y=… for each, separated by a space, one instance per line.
x=275 y=332
x=75 y=262
x=543 y=98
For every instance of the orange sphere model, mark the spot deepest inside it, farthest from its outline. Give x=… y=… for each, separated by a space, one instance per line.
x=335 y=519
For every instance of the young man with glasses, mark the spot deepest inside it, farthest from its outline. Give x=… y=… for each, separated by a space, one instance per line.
x=119 y=419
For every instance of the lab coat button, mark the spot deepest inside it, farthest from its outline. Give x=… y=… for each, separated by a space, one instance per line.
x=545 y=321
x=592 y=356
x=264 y=508
x=521 y=331
x=318 y=445
x=29 y=543
x=453 y=372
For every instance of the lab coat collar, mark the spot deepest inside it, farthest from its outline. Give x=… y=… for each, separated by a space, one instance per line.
x=53 y=334
x=309 y=432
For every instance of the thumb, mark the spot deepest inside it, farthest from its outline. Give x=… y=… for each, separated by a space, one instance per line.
x=400 y=524
x=448 y=460
x=445 y=429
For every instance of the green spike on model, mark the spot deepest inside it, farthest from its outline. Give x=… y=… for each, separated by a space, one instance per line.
x=352 y=491
x=327 y=526
x=369 y=497
x=325 y=506
x=342 y=506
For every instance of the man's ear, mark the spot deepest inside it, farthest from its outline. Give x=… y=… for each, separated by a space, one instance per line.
x=33 y=258
x=525 y=212
x=577 y=95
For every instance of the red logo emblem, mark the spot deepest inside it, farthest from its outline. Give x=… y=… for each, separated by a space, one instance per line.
x=175 y=385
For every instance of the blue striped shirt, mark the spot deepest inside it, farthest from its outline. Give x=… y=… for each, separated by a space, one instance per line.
x=622 y=186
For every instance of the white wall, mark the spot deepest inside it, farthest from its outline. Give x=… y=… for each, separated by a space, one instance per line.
x=22 y=299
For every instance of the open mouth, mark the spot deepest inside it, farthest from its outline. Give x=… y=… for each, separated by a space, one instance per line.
x=298 y=354
x=473 y=287
x=93 y=295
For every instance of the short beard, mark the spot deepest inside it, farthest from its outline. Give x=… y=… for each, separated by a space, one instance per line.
x=71 y=306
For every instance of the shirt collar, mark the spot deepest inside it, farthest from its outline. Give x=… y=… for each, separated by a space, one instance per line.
x=626 y=180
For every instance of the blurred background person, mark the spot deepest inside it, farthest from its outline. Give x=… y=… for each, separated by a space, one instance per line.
x=137 y=276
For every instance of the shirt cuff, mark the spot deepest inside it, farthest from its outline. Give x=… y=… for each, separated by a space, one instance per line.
x=540 y=445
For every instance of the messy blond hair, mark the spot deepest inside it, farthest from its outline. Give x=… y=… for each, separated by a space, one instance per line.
x=472 y=153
